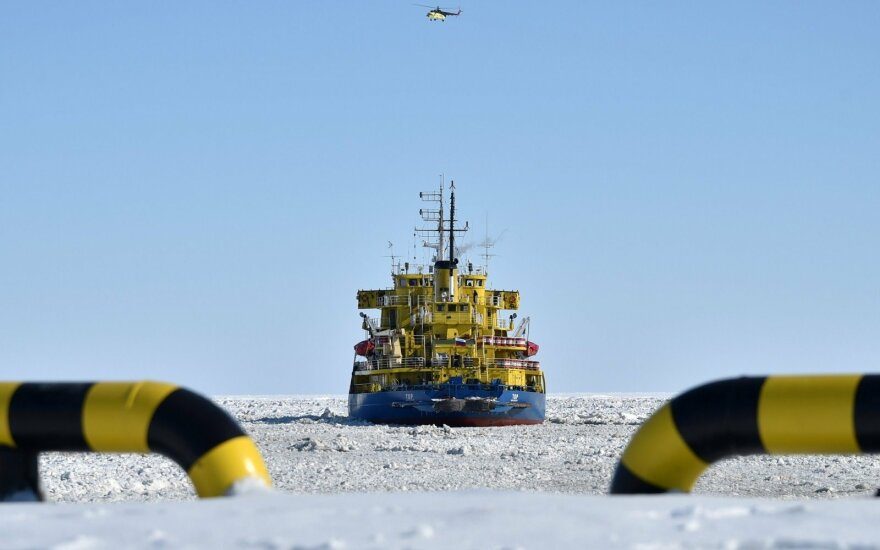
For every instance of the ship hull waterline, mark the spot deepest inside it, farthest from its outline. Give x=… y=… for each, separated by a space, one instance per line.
x=455 y=407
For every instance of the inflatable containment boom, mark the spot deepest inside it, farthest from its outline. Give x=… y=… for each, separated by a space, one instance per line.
x=830 y=414
x=127 y=417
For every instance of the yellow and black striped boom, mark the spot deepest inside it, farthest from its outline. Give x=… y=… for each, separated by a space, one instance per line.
x=136 y=417
x=828 y=414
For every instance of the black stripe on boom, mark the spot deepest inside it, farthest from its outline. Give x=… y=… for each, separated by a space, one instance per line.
x=721 y=418
x=186 y=425
x=867 y=413
x=48 y=417
x=19 y=472
x=627 y=483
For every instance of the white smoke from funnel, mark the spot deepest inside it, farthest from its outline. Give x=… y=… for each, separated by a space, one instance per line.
x=460 y=250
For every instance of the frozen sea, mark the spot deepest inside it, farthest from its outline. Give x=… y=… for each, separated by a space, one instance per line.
x=347 y=484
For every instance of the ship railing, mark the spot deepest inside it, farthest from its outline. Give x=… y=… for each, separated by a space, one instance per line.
x=393 y=300
x=514 y=364
x=361 y=365
x=453 y=318
x=455 y=362
x=487 y=300
x=373 y=387
x=440 y=362
x=404 y=300
x=390 y=363
x=414 y=300
x=503 y=341
x=419 y=339
x=503 y=324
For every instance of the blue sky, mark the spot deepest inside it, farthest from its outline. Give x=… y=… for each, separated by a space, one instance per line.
x=195 y=192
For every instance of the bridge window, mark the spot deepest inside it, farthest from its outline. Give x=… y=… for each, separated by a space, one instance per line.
x=413 y=282
x=469 y=282
x=440 y=307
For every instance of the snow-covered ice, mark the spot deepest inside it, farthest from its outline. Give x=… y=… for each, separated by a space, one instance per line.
x=347 y=484
x=471 y=519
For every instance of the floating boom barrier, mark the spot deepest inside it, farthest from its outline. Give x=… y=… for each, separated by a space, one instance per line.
x=833 y=414
x=128 y=417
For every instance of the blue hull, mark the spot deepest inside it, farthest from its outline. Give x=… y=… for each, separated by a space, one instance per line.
x=453 y=405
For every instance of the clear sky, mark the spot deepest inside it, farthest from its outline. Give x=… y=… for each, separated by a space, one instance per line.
x=195 y=191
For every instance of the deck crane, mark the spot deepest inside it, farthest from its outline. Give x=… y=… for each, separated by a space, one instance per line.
x=369 y=325
x=522 y=328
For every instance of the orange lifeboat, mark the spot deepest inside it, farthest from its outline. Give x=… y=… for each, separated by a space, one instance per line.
x=531 y=349
x=364 y=348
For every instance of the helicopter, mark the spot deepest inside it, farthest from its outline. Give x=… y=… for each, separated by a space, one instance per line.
x=438 y=13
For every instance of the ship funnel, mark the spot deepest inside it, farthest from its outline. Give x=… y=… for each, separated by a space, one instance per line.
x=445 y=280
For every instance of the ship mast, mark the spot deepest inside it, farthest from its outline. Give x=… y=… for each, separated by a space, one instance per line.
x=445 y=270
x=452 y=229
x=451 y=221
x=438 y=238
x=440 y=222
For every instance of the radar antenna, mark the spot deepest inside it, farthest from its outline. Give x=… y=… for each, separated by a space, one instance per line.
x=489 y=243
x=395 y=264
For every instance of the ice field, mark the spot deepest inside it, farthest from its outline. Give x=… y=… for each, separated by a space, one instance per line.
x=344 y=484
